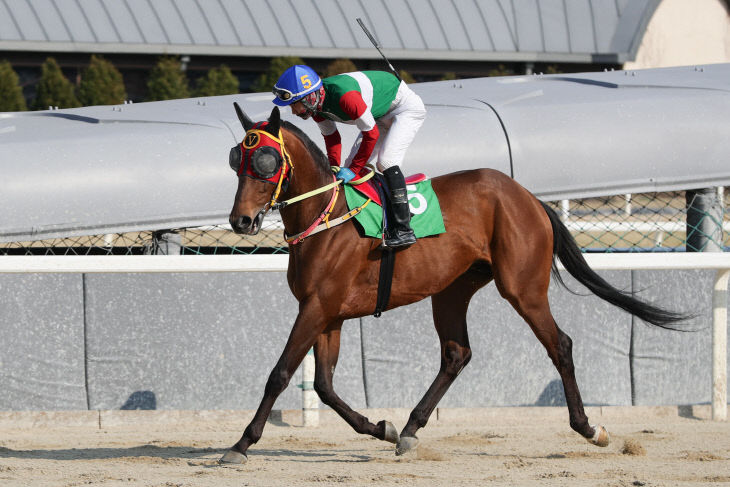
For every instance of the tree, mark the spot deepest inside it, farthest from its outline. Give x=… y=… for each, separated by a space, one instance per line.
x=53 y=89
x=278 y=65
x=406 y=76
x=501 y=70
x=217 y=81
x=339 y=66
x=11 y=94
x=167 y=81
x=448 y=76
x=101 y=84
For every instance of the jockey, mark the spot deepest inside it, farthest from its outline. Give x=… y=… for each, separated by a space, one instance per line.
x=387 y=113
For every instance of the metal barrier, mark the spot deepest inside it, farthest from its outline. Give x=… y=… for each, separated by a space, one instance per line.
x=265 y=263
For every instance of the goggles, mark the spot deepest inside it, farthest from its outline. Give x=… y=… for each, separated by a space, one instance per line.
x=260 y=156
x=264 y=164
x=282 y=94
x=290 y=97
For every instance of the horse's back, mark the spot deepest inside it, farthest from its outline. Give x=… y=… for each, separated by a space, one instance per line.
x=496 y=214
x=489 y=190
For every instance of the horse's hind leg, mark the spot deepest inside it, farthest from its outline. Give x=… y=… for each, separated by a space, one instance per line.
x=534 y=308
x=326 y=352
x=449 y=314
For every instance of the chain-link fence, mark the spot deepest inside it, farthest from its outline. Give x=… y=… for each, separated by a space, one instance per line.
x=648 y=222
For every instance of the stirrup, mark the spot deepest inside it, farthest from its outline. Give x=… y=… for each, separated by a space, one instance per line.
x=399 y=238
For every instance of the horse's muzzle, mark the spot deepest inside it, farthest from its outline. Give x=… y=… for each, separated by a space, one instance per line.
x=246 y=225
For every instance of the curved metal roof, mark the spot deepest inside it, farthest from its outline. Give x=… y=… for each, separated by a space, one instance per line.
x=606 y=31
x=158 y=165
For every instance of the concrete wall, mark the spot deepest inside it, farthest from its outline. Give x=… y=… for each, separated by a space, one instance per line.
x=209 y=341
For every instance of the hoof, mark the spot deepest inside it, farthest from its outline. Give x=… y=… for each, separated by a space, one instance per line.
x=233 y=457
x=406 y=444
x=600 y=437
x=391 y=434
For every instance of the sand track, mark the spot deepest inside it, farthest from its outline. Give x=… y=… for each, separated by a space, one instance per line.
x=649 y=447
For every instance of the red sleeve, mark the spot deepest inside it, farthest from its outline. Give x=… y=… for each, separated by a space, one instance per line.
x=354 y=106
x=369 y=139
x=334 y=147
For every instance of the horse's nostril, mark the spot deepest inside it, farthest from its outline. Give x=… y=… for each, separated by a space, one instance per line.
x=241 y=224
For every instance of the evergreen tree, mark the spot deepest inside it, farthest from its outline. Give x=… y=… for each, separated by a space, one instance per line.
x=500 y=70
x=101 y=84
x=11 y=95
x=406 y=76
x=339 y=66
x=167 y=81
x=278 y=65
x=217 y=81
x=53 y=89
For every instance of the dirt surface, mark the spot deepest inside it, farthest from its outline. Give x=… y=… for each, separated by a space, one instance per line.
x=460 y=449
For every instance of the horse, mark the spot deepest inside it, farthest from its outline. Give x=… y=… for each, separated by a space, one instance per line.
x=496 y=230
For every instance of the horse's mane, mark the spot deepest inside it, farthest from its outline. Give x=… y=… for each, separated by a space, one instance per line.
x=319 y=157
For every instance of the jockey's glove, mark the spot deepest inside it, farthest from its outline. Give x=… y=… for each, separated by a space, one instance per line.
x=345 y=174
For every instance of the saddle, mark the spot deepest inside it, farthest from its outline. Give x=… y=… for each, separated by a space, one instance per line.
x=375 y=187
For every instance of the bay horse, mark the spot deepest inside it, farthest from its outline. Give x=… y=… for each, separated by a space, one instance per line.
x=495 y=230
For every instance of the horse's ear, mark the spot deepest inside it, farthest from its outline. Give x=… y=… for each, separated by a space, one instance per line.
x=245 y=121
x=274 y=122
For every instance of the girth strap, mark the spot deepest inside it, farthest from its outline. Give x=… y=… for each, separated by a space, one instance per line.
x=387 y=264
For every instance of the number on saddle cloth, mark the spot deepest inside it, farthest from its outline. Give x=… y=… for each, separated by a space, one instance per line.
x=426 y=213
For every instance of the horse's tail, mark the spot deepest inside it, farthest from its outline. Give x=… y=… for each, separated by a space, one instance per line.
x=565 y=248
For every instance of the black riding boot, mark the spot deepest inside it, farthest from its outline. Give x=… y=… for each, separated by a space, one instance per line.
x=400 y=233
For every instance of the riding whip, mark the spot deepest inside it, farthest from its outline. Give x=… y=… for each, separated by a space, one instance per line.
x=377 y=46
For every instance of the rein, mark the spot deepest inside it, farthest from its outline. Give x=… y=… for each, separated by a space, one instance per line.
x=318 y=224
x=304 y=196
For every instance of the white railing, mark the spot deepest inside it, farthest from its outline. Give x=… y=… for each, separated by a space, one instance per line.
x=142 y=263
x=265 y=263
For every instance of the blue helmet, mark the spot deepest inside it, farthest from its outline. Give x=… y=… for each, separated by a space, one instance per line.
x=296 y=82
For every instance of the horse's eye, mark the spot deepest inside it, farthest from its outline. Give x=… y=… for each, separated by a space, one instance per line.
x=234 y=158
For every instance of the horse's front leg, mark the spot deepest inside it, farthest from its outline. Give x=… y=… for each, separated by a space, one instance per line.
x=326 y=352
x=307 y=327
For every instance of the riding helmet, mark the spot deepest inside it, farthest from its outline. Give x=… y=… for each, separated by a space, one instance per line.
x=296 y=82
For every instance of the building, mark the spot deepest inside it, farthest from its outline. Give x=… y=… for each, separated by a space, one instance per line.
x=429 y=39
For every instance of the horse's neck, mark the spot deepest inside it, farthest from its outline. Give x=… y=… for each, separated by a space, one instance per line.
x=307 y=177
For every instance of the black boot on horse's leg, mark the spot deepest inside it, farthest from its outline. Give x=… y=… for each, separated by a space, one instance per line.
x=400 y=234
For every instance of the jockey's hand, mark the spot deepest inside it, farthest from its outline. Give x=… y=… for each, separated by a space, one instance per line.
x=346 y=175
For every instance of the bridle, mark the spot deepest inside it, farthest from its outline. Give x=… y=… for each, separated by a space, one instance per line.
x=264 y=158
x=256 y=143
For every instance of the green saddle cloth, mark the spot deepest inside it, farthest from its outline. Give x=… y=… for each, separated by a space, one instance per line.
x=426 y=220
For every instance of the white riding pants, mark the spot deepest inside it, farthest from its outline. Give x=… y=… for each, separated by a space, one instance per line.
x=397 y=130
